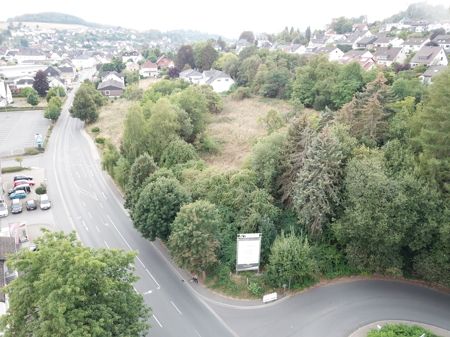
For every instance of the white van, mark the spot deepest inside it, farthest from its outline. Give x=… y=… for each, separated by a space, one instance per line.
x=44 y=202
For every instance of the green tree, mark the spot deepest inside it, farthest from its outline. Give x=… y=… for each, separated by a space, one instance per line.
x=225 y=59
x=291 y=261
x=404 y=87
x=373 y=226
x=308 y=34
x=55 y=92
x=33 y=99
x=195 y=104
x=121 y=172
x=204 y=56
x=143 y=167
x=131 y=77
x=158 y=204
x=247 y=35
x=134 y=140
x=276 y=83
x=53 y=110
x=84 y=106
x=133 y=92
x=273 y=121
x=25 y=92
x=178 y=152
x=431 y=129
x=367 y=113
x=316 y=190
x=194 y=240
x=266 y=160
x=40 y=83
x=185 y=56
x=91 y=289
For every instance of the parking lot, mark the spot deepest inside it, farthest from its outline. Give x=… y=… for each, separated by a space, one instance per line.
x=32 y=218
x=17 y=130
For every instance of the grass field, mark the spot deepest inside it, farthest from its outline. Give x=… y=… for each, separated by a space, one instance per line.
x=237 y=128
x=110 y=121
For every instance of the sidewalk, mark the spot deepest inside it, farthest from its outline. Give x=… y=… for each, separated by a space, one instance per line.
x=362 y=332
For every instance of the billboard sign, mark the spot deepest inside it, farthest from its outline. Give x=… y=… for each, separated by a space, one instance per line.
x=248 y=251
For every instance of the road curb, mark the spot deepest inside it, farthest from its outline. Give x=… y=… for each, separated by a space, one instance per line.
x=364 y=330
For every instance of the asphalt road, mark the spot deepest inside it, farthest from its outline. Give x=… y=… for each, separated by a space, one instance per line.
x=85 y=200
x=17 y=130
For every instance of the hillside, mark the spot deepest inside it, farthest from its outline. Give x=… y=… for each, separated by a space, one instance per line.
x=53 y=17
x=422 y=11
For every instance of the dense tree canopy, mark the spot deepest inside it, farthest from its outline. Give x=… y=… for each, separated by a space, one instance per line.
x=40 y=83
x=66 y=289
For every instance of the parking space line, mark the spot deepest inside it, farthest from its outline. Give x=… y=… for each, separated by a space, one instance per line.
x=176 y=308
x=157 y=321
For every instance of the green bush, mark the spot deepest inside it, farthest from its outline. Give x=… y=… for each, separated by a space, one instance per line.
x=207 y=144
x=241 y=93
x=400 y=330
x=100 y=140
x=255 y=289
x=95 y=129
x=31 y=151
x=12 y=169
x=42 y=189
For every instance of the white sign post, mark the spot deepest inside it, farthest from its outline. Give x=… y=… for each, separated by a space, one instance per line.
x=248 y=251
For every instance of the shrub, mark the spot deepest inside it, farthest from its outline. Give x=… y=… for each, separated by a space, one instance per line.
x=241 y=93
x=100 y=140
x=400 y=330
x=42 y=189
x=207 y=144
x=11 y=169
x=95 y=129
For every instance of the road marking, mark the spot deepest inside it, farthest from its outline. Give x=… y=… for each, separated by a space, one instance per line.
x=106 y=224
x=137 y=292
x=124 y=240
x=157 y=321
x=89 y=213
x=198 y=333
x=106 y=243
x=101 y=205
x=148 y=272
x=176 y=308
x=98 y=229
x=104 y=196
x=84 y=225
x=148 y=292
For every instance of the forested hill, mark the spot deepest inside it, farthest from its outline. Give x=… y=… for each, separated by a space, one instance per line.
x=422 y=11
x=53 y=17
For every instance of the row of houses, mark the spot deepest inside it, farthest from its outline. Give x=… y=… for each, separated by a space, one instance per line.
x=218 y=80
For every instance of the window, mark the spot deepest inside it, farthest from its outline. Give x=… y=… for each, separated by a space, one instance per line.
x=107 y=92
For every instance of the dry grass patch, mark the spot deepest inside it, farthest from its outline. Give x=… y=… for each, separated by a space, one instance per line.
x=147 y=82
x=237 y=128
x=110 y=121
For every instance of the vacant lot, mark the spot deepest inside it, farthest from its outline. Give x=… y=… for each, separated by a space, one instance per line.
x=111 y=120
x=237 y=127
x=17 y=130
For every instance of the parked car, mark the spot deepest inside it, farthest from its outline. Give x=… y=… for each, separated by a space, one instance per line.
x=24 y=182
x=3 y=209
x=20 y=194
x=16 y=206
x=24 y=187
x=31 y=205
x=22 y=177
x=44 y=202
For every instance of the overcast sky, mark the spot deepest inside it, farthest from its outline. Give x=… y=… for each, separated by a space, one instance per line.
x=226 y=17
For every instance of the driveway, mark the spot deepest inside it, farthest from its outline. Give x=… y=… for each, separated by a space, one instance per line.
x=17 y=130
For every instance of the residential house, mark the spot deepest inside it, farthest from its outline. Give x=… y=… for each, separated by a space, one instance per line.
x=111 y=88
x=387 y=56
x=23 y=82
x=333 y=53
x=29 y=55
x=353 y=38
x=84 y=61
x=131 y=66
x=317 y=42
x=430 y=73
x=132 y=56
x=56 y=82
x=366 y=42
x=149 y=69
x=164 y=62
x=67 y=73
x=429 y=56
x=363 y=57
x=241 y=45
x=443 y=41
x=113 y=75
x=52 y=71
x=385 y=40
x=301 y=49
x=191 y=76
x=218 y=80
x=5 y=94
x=414 y=44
